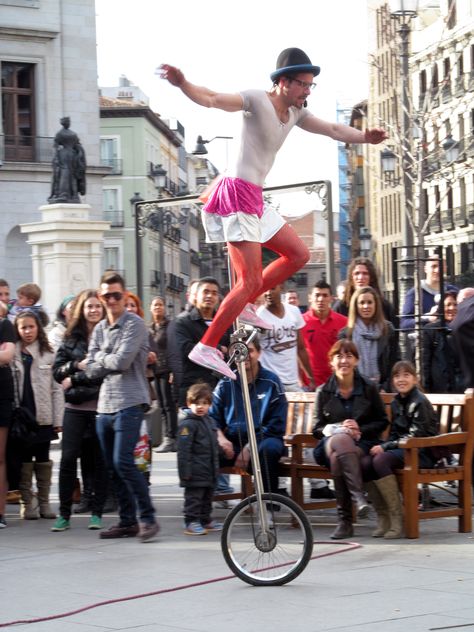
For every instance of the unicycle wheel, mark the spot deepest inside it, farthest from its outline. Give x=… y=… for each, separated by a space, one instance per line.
x=272 y=557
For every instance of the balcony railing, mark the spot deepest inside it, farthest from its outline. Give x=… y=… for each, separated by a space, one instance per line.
x=459 y=216
x=26 y=148
x=115 y=165
x=116 y=218
x=447 y=219
x=175 y=283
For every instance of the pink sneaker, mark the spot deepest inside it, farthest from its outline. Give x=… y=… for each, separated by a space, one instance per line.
x=249 y=316
x=211 y=358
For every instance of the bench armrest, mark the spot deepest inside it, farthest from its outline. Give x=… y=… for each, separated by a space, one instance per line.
x=451 y=438
x=299 y=439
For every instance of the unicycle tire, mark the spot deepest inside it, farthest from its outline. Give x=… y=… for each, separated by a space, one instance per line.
x=272 y=558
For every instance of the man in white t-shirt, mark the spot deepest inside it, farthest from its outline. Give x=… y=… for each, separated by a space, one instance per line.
x=283 y=350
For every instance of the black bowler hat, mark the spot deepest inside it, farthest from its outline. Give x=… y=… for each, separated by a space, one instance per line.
x=293 y=60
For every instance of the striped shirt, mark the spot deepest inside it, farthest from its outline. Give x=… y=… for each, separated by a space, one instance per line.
x=118 y=353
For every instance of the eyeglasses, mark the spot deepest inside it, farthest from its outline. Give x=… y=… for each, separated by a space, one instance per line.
x=117 y=296
x=303 y=84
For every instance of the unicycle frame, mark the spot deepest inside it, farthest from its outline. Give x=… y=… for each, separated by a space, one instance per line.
x=237 y=338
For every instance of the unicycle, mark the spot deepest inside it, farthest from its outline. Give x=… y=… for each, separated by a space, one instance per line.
x=267 y=539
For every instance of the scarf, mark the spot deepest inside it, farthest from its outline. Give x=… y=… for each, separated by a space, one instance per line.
x=365 y=338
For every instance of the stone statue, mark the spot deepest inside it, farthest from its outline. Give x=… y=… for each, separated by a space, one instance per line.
x=69 y=166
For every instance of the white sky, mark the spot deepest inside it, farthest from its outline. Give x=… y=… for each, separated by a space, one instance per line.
x=234 y=49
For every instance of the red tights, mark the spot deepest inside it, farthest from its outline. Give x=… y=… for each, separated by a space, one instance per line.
x=246 y=260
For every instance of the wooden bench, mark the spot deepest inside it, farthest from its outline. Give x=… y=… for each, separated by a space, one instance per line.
x=456 y=415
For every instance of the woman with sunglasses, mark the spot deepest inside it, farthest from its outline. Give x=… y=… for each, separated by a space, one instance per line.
x=81 y=395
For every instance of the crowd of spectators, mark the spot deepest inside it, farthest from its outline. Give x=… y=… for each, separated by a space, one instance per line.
x=92 y=374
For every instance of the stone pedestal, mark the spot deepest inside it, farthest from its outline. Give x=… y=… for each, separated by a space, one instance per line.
x=67 y=250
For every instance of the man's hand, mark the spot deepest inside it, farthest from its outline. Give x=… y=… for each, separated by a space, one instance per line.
x=375 y=136
x=66 y=383
x=171 y=74
x=226 y=445
x=243 y=458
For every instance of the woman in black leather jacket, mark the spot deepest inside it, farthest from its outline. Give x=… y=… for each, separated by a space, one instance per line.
x=81 y=395
x=349 y=419
x=412 y=416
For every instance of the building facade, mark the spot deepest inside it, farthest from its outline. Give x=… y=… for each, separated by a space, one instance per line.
x=137 y=143
x=428 y=197
x=49 y=70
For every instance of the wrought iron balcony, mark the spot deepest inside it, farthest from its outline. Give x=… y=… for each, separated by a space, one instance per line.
x=115 y=217
x=115 y=165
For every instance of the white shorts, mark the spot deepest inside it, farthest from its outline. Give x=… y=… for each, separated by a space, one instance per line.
x=242 y=226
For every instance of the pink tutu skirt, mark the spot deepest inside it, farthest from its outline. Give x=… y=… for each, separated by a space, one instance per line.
x=232 y=195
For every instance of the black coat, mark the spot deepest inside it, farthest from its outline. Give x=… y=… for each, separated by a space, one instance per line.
x=463 y=333
x=412 y=416
x=183 y=334
x=368 y=409
x=72 y=351
x=198 y=451
x=441 y=365
x=388 y=352
x=159 y=344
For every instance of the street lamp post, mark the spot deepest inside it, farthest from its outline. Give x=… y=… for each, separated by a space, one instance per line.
x=151 y=219
x=138 y=248
x=365 y=242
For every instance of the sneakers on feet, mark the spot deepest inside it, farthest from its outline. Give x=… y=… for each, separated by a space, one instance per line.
x=61 y=524
x=117 y=531
x=3 y=522
x=148 y=531
x=249 y=316
x=213 y=526
x=195 y=528
x=210 y=358
x=168 y=445
x=95 y=523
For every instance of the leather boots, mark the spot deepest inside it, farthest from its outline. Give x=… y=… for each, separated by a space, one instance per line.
x=28 y=501
x=351 y=471
x=344 y=528
x=378 y=503
x=388 y=488
x=43 y=473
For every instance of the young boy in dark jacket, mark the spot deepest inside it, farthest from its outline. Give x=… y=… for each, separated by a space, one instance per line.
x=198 y=461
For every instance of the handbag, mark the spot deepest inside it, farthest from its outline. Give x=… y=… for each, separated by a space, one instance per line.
x=24 y=426
x=142 y=451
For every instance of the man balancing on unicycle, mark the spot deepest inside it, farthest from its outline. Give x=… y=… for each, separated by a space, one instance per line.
x=235 y=211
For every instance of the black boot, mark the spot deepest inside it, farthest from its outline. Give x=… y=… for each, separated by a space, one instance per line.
x=344 y=528
x=352 y=473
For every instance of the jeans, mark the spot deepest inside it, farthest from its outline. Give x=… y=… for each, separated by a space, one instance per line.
x=76 y=424
x=270 y=450
x=118 y=434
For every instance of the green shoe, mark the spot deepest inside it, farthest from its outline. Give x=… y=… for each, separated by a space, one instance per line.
x=61 y=524
x=95 y=523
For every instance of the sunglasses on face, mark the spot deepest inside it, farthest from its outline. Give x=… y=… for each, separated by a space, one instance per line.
x=117 y=296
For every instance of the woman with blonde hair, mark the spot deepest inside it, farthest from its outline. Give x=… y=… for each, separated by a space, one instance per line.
x=362 y=273
x=374 y=337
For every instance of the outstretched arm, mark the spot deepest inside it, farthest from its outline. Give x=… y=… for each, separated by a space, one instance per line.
x=342 y=133
x=200 y=95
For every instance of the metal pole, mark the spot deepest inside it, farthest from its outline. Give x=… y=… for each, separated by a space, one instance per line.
x=138 y=245
x=331 y=277
x=407 y=162
x=162 y=256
